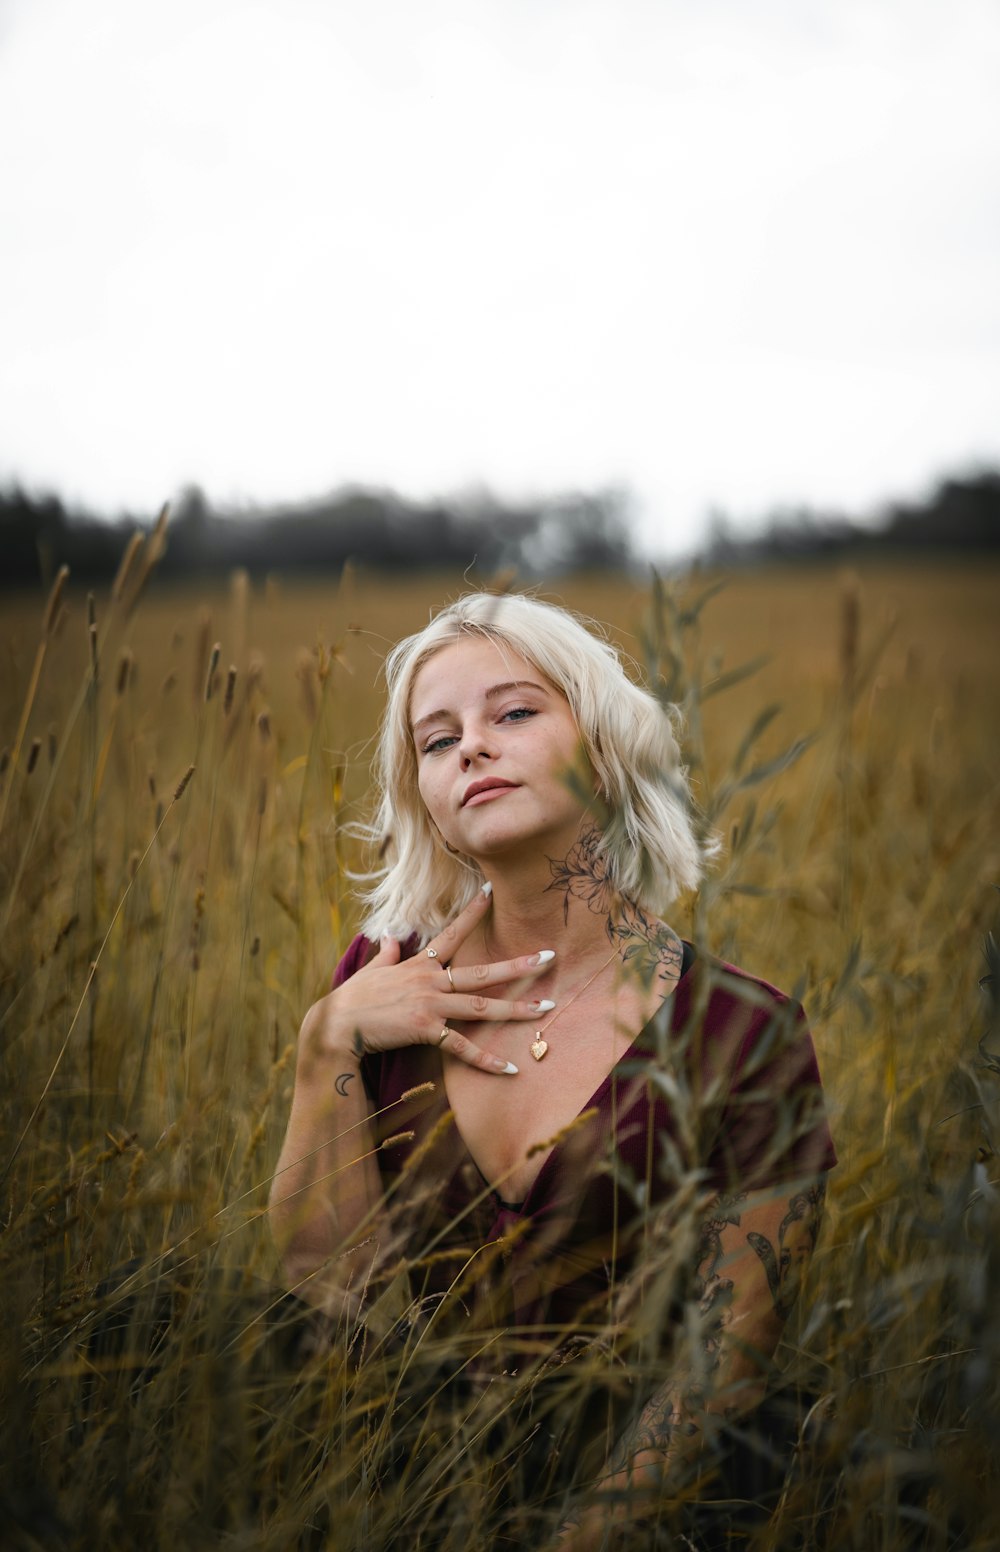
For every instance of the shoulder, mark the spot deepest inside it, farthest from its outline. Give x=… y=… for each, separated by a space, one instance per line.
x=731 y=1006
x=356 y=956
x=744 y=1031
x=745 y=1012
x=759 y=1056
x=730 y=981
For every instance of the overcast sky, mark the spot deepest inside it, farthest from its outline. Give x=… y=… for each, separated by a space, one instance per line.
x=728 y=252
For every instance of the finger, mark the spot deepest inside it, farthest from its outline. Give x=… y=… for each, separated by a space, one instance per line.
x=501 y=1008
x=388 y=951
x=470 y=978
x=466 y=1051
x=456 y=932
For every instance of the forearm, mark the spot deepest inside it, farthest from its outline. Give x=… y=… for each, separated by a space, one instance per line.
x=752 y=1255
x=660 y=1450
x=326 y=1190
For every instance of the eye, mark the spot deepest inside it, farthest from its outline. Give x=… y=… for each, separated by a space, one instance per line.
x=518 y=713
x=437 y=745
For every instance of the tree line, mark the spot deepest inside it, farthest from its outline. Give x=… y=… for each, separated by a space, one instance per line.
x=573 y=532
x=961 y=515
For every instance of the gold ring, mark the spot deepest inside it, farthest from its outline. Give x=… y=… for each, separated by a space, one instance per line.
x=441 y=1037
x=431 y=953
x=447 y=971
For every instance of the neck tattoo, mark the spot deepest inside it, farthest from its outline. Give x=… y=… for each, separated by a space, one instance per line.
x=540 y=1046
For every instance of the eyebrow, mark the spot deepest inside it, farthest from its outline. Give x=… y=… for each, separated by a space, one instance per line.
x=492 y=693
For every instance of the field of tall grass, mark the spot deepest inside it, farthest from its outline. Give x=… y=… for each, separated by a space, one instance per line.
x=180 y=770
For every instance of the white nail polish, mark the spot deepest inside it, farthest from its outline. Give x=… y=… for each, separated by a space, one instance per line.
x=545 y=955
x=544 y=1006
x=487 y=889
x=511 y=1068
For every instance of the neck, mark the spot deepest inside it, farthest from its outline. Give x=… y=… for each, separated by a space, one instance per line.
x=567 y=904
x=541 y=902
x=524 y=921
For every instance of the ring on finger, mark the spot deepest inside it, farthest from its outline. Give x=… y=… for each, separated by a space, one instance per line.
x=441 y=1037
x=451 y=981
x=431 y=953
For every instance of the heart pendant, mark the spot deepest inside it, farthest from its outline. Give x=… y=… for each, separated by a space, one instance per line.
x=538 y=1047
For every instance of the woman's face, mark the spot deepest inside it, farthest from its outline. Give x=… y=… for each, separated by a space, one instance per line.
x=500 y=764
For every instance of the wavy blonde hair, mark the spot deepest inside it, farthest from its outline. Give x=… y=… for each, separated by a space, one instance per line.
x=649 y=844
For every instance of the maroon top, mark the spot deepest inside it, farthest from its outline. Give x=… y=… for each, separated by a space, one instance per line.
x=721 y=1085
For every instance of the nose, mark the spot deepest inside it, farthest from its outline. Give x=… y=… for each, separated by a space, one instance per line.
x=475 y=744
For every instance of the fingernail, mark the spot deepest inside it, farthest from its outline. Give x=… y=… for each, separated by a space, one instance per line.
x=545 y=955
x=487 y=889
x=543 y=1006
x=509 y=1067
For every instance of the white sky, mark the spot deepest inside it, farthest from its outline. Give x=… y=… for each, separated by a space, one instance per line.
x=733 y=252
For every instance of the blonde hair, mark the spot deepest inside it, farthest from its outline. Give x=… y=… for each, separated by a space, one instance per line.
x=648 y=844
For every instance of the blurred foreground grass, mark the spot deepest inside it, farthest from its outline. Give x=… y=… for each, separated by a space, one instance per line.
x=143 y=1100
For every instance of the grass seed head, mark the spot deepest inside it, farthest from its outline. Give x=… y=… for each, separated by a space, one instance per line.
x=124 y=670
x=33 y=754
x=227 y=704
x=421 y=1088
x=182 y=785
x=213 y=664
x=127 y=564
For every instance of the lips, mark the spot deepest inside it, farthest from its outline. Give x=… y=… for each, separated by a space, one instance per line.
x=490 y=784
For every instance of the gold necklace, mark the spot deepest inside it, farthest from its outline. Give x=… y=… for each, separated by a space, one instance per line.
x=540 y=1046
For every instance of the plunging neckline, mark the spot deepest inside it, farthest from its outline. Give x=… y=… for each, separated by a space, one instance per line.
x=688 y=964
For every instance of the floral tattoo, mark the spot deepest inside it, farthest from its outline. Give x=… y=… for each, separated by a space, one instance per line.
x=646 y=943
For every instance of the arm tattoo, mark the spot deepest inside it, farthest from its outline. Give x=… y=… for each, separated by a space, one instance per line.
x=658 y=1423
x=797 y=1235
x=648 y=944
x=715 y=1293
x=669 y=1414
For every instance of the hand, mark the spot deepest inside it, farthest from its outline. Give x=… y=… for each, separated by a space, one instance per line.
x=392 y=1003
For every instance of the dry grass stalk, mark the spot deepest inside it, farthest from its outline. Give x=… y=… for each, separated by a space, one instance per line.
x=205 y=1429
x=54 y=601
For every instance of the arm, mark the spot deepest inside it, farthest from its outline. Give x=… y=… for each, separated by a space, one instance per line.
x=753 y=1252
x=326 y=1192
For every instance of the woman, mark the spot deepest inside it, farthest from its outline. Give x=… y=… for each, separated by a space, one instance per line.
x=608 y=1087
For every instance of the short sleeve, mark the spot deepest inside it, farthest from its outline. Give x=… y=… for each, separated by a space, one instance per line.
x=773 y=1128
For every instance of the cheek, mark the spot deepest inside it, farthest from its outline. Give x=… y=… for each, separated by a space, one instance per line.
x=430 y=791
x=424 y=787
